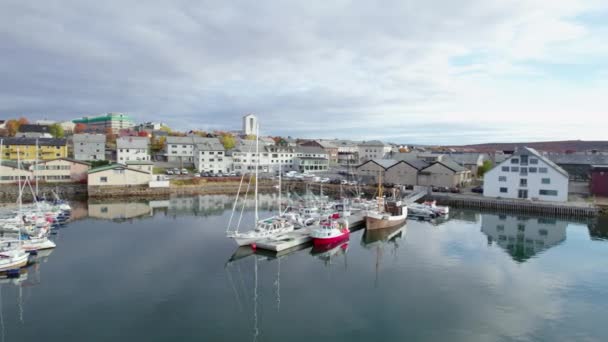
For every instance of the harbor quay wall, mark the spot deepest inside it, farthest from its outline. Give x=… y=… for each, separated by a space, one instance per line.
x=515 y=206
x=143 y=191
x=10 y=192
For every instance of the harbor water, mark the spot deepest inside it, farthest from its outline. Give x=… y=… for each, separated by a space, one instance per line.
x=165 y=271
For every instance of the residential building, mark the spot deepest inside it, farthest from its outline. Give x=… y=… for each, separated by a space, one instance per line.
x=403 y=172
x=2 y=124
x=181 y=149
x=10 y=172
x=250 y=125
x=328 y=146
x=348 y=152
x=132 y=148
x=48 y=148
x=68 y=127
x=60 y=170
x=245 y=157
x=280 y=157
x=311 y=159
x=522 y=236
x=527 y=174
x=374 y=149
x=34 y=131
x=446 y=173
x=210 y=156
x=89 y=146
x=113 y=122
x=149 y=126
x=599 y=180
x=117 y=175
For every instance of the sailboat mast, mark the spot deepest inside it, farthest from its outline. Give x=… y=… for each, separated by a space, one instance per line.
x=36 y=170
x=257 y=166
x=280 y=209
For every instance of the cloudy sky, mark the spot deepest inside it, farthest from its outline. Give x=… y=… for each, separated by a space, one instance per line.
x=433 y=71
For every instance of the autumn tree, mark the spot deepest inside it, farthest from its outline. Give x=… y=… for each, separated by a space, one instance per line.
x=23 y=121
x=228 y=141
x=12 y=126
x=157 y=143
x=110 y=136
x=56 y=131
x=487 y=166
x=80 y=128
x=250 y=137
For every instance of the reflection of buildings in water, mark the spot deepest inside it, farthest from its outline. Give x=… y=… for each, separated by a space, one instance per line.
x=523 y=236
x=119 y=210
x=598 y=228
x=464 y=215
x=214 y=204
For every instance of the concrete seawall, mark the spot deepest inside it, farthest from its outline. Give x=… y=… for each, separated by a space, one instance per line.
x=10 y=192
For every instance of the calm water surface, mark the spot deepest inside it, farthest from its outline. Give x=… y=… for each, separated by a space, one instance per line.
x=164 y=271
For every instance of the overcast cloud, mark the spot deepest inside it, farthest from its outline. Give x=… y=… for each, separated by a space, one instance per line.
x=406 y=71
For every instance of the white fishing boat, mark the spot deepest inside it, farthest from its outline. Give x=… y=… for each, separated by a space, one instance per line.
x=12 y=255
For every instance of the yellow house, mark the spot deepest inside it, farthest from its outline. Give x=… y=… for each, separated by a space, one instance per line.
x=25 y=148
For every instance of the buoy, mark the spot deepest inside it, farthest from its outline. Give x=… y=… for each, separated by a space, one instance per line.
x=253 y=246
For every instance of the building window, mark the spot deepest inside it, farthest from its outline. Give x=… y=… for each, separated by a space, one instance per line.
x=503 y=190
x=532 y=169
x=524 y=159
x=103 y=179
x=505 y=168
x=502 y=178
x=514 y=161
x=533 y=161
x=546 y=180
x=523 y=182
x=542 y=170
x=514 y=169
x=547 y=192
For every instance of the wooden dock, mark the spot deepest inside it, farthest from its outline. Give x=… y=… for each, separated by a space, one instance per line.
x=300 y=236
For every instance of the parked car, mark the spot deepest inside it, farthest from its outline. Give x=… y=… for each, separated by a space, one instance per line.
x=335 y=181
x=184 y=172
x=197 y=174
x=325 y=180
x=354 y=182
x=455 y=190
x=478 y=189
x=232 y=174
x=169 y=172
x=176 y=172
x=344 y=182
x=444 y=189
x=205 y=174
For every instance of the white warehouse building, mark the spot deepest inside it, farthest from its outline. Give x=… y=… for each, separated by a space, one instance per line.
x=527 y=175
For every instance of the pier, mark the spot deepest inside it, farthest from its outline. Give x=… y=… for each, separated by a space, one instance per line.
x=301 y=236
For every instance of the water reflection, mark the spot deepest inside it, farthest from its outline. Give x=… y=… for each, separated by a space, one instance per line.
x=522 y=236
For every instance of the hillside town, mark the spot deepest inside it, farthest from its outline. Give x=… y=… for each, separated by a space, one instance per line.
x=112 y=150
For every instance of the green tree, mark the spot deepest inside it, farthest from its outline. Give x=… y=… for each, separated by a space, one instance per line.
x=487 y=165
x=250 y=137
x=56 y=131
x=228 y=141
x=157 y=143
x=165 y=128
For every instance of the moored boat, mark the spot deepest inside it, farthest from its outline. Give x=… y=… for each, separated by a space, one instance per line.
x=330 y=231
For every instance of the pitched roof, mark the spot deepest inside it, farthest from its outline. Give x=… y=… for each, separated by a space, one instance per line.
x=66 y=159
x=384 y=163
x=113 y=166
x=450 y=164
x=417 y=164
x=373 y=143
x=543 y=158
x=581 y=159
x=89 y=138
x=132 y=142
x=32 y=141
x=210 y=144
x=310 y=149
x=467 y=158
x=34 y=128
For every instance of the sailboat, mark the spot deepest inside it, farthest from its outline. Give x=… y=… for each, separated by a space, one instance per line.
x=265 y=228
x=389 y=213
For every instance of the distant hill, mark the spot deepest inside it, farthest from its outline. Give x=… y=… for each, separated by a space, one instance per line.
x=549 y=146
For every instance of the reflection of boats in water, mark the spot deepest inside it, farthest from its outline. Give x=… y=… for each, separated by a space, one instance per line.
x=329 y=251
x=374 y=237
x=377 y=239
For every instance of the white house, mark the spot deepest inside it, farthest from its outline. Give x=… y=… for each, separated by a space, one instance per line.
x=210 y=156
x=132 y=148
x=374 y=149
x=244 y=156
x=527 y=174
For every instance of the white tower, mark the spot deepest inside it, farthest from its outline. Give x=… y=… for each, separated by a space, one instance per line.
x=250 y=124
